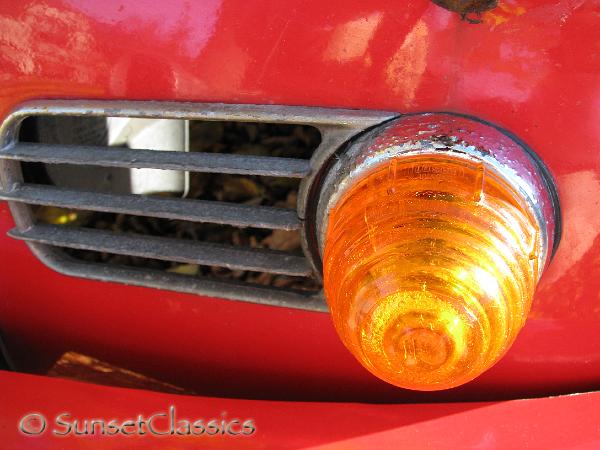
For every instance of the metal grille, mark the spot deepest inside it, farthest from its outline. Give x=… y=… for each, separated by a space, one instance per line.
x=335 y=126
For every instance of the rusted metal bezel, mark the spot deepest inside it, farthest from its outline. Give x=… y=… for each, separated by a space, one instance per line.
x=473 y=139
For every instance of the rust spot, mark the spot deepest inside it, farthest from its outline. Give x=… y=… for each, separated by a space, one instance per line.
x=469 y=10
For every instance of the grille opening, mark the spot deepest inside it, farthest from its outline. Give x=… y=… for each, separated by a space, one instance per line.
x=307 y=285
x=253 y=190
x=231 y=137
x=234 y=138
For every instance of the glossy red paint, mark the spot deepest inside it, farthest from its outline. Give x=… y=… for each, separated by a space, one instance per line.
x=549 y=423
x=532 y=67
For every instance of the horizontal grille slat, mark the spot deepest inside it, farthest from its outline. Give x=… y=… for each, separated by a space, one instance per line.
x=156 y=159
x=167 y=249
x=266 y=295
x=167 y=208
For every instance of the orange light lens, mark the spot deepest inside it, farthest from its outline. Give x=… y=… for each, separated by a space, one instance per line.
x=430 y=265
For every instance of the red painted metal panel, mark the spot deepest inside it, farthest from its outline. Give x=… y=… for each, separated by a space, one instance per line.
x=549 y=423
x=532 y=67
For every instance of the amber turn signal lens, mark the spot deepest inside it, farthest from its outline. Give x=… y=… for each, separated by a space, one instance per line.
x=430 y=265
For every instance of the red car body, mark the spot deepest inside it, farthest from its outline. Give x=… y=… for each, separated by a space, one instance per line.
x=532 y=67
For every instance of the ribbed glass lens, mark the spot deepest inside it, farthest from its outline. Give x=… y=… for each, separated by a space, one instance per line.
x=430 y=265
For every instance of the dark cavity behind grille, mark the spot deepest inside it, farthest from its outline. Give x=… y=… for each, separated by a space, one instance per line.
x=237 y=209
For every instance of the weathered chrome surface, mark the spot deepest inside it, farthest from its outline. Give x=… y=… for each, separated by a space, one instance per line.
x=166 y=249
x=156 y=159
x=224 y=213
x=515 y=163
